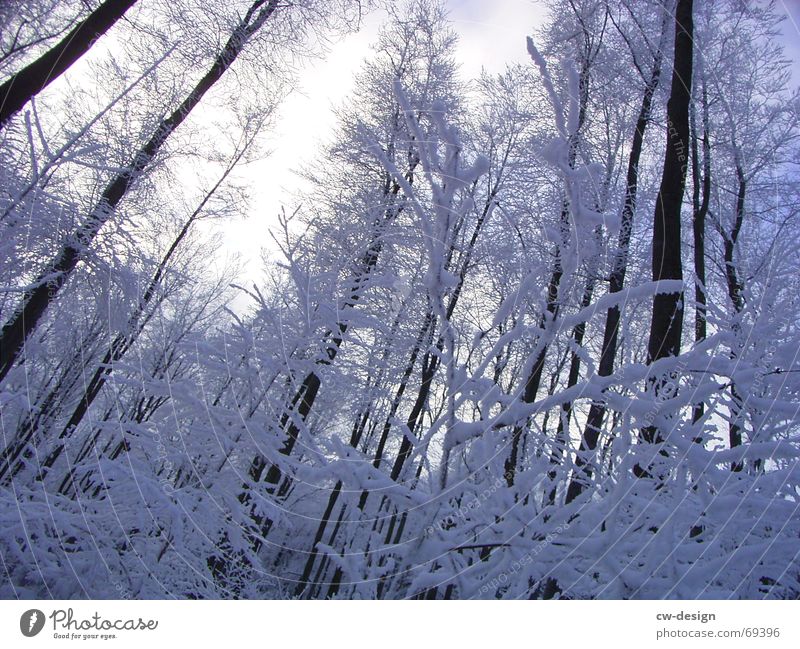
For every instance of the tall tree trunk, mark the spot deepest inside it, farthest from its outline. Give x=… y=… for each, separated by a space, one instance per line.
x=700 y=199
x=667 y=320
x=35 y=77
x=46 y=287
x=608 y=354
x=736 y=294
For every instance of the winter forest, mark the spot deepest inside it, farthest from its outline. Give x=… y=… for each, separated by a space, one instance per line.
x=528 y=335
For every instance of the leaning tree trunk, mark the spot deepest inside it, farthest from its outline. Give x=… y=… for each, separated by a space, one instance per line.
x=125 y=339
x=35 y=77
x=46 y=287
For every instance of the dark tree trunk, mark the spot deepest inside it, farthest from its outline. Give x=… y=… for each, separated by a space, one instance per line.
x=561 y=442
x=46 y=287
x=608 y=354
x=667 y=321
x=35 y=77
x=700 y=200
x=736 y=294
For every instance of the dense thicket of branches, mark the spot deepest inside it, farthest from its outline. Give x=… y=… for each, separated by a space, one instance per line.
x=532 y=335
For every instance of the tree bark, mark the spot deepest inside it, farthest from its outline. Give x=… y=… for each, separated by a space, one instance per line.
x=701 y=196
x=736 y=294
x=667 y=320
x=608 y=354
x=46 y=287
x=35 y=77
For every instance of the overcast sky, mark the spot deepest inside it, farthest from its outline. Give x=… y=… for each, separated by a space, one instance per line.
x=491 y=34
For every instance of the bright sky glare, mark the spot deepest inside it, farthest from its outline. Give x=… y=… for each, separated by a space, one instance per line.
x=491 y=35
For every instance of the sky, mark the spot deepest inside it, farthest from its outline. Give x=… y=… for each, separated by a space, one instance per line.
x=491 y=35
x=791 y=34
